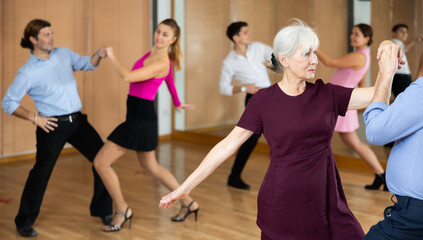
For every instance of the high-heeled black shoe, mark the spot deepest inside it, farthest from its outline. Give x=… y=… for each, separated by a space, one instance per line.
x=178 y=218
x=377 y=182
x=115 y=228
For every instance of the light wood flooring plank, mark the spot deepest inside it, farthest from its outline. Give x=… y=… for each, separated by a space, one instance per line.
x=225 y=213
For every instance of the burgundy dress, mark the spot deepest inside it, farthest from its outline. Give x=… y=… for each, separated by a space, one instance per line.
x=301 y=196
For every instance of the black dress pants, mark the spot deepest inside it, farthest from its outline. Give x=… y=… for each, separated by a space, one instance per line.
x=244 y=151
x=402 y=221
x=86 y=140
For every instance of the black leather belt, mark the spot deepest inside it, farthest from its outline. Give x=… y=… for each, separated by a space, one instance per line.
x=70 y=117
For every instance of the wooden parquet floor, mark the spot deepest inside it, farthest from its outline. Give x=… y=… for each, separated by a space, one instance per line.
x=225 y=213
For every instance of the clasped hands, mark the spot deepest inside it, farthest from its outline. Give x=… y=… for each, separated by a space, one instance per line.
x=390 y=56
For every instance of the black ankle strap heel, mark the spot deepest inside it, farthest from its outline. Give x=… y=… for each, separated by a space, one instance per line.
x=178 y=218
x=115 y=228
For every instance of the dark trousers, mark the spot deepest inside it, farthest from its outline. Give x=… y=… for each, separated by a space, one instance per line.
x=244 y=151
x=86 y=140
x=403 y=220
x=400 y=83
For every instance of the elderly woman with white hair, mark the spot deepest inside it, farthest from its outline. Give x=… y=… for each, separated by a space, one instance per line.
x=301 y=196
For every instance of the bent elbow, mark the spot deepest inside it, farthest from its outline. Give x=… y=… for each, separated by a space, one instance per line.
x=374 y=136
x=127 y=78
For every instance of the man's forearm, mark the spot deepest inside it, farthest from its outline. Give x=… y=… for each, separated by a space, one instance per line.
x=410 y=45
x=383 y=88
x=95 y=59
x=22 y=113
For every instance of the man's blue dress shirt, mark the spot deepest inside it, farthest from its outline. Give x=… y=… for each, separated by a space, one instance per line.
x=401 y=122
x=50 y=83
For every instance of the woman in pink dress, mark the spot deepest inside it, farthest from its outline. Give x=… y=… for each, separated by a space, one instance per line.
x=352 y=70
x=139 y=131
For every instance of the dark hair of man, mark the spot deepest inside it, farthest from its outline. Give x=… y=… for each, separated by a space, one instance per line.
x=32 y=29
x=234 y=29
x=398 y=26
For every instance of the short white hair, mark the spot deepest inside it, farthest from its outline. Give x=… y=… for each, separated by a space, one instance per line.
x=290 y=38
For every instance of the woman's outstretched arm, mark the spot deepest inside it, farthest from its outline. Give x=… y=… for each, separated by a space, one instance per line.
x=154 y=69
x=352 y=60
x=219 y=153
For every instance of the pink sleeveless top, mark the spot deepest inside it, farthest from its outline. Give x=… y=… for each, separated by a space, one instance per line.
x=148 y=89
x=348 y=77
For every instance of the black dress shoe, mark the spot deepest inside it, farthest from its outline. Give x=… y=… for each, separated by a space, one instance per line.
x=107 y=220
x=238 y=183
x=27 y=231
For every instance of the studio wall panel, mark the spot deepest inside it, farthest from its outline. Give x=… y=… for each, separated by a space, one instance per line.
x=387 y=13
x=206 y=45
x=206 y=24
x=83 y=26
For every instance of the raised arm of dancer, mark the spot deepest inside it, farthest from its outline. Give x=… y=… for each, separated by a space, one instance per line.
x=361 y=97
x=154 y=69
x=412 y=43
x=219 y=153
x=97 y=56
x=352 y=60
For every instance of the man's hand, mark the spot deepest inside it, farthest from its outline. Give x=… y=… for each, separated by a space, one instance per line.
x=251 y=88
x=46 y=123
x=102 y=52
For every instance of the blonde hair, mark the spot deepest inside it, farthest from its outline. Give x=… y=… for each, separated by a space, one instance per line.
x=175 y=53
x=289 y=39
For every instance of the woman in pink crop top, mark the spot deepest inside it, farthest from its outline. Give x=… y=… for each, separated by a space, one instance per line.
x=352 y=70
x=139 y=131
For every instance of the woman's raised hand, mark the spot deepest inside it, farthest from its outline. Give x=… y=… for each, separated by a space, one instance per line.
x=110 y=52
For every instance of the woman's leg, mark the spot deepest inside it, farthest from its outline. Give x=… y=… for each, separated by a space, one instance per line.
x=149 y=163
x=351 y=140
x=107 y=155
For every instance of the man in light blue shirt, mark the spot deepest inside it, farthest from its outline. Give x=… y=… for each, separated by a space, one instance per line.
x=401 y=122
x=47 y=77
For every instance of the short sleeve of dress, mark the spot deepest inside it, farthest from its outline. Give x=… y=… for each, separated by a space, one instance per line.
x=251 y=119
x=340 y=97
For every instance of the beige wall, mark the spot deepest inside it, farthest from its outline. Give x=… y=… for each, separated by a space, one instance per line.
x=207 y=46
x=387 y=13
x=83 y=26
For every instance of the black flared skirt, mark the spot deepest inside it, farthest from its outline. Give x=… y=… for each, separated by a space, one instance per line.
x=139 y=131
